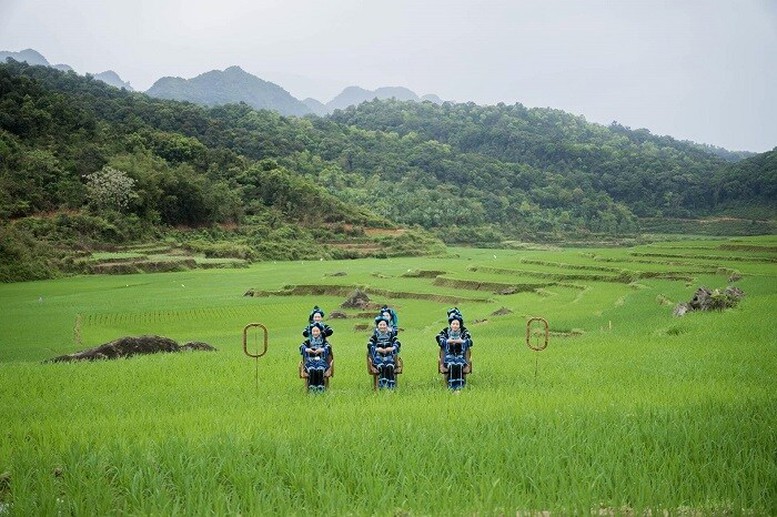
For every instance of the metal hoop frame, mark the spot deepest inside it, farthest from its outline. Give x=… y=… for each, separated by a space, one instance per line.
x=528 y=334
x=245 y=340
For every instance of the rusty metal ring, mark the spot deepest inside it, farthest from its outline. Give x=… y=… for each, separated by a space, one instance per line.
x=528 y=334
x=245 y=340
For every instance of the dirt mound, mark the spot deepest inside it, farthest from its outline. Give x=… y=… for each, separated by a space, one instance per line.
x=337 y=315
x=502 y=312
x=129 y=346
x=358 y=299
x=197 y=345
x=412 y=273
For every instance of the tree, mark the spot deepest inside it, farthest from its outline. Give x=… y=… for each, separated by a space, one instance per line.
x=110 y=188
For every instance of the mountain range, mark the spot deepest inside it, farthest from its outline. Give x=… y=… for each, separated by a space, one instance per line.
x=34 y=57
x=235 y=85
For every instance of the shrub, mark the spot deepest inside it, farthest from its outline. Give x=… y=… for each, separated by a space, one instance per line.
x=22 y=258
x=221 y=249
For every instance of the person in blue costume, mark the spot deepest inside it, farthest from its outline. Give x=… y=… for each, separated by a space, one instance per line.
x=391 y=316
x=317 y=316
x=455 y=344
x=383 y=349
x=316 y=357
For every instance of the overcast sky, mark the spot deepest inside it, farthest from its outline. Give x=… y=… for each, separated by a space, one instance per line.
x=701 y=70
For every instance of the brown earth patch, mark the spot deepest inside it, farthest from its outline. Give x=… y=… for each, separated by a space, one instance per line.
x=565 y=333
x=358 y=299
x=494 y=287
x=129 y=346
x=143 y=266
x=748 y=247
x=343 y=290
x=364 y=247
x=384 y=231
x=422 y=274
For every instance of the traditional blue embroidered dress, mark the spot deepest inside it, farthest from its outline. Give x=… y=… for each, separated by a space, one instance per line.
x=316 y=364
x=454 y=354
x=384 y=362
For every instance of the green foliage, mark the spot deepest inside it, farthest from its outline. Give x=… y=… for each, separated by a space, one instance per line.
x=470 y=235
x=468 y=174
x=714 y=226
x=550 y=154
x=750 y=181
x=82 y=230
x=221 y=249
x=24 y=258
x=410 y=243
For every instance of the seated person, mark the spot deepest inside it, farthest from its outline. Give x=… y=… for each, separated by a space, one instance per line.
x=455 y=343
x=317 y=316
x=382 y=351
x=391 y=316
x=317 y=358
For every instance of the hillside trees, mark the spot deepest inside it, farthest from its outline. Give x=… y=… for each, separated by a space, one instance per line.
x=469 y=173
x=649 y=174
x=83 y=165
x=752 y=179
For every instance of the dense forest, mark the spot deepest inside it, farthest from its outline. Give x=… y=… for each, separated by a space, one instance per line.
x=85 y=166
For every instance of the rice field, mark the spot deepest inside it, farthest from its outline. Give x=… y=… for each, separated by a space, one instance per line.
x=628 y=411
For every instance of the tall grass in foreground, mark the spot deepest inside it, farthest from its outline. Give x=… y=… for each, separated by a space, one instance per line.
x=132 y=442
x=641 y=413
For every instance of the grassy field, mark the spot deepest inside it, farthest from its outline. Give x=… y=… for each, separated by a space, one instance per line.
x=628 y=411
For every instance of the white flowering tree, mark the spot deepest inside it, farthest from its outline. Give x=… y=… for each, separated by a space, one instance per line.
x=110 y=188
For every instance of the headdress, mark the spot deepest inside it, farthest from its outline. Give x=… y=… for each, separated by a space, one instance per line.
x=315 y=310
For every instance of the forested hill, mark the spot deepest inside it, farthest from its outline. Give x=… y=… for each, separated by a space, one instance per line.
x=84 y=165
x=87 y=167
x=651 y=175
x=752 y=181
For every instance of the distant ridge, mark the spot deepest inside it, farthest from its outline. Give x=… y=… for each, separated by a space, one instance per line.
x=354 y=95
x=112 y=78
x=32 y=57
x=315 y=106
x=432 y=98
x=35 y=58
x=232 y=85
x=235 y=85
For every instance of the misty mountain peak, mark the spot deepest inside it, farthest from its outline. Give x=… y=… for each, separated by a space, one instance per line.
x=112 y=78
x=232 y=85
x=32 y=57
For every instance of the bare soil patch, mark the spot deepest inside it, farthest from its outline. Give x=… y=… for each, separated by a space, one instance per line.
x=129 y=346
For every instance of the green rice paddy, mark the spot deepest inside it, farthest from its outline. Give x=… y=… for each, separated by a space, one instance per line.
x=629 y=410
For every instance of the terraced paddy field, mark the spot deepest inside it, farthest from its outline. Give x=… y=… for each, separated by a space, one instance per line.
x=629 y=410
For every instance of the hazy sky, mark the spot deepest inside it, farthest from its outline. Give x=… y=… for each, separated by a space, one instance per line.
x=702 y=70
